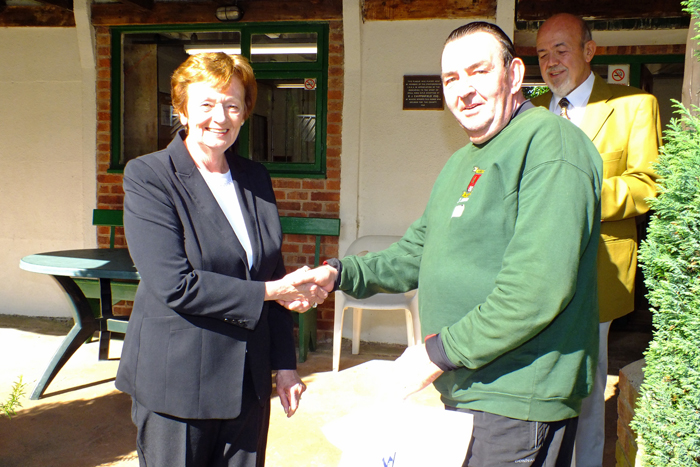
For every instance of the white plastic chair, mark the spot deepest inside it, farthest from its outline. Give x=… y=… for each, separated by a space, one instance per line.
x=383 y=301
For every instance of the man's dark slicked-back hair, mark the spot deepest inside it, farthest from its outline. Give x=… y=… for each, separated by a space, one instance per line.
x=507 y=49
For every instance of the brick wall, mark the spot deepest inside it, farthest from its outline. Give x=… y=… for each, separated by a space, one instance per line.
x=295 y=196
x=626 y=451
x=318 y=197
x=110 y=194
x=109 y=186
x=673 y=49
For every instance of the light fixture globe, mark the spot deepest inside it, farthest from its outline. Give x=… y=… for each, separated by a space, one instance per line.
x=229 y=13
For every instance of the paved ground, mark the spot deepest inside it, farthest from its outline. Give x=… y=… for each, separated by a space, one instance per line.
x=82 y=421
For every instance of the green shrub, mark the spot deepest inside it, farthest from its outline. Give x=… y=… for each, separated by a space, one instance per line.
x=534 y=91
x=667 y=417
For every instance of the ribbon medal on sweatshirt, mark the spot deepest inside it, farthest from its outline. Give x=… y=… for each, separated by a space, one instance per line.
x=459 y=209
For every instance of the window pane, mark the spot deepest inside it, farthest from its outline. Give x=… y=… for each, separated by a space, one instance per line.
x=285 y=129
x=284 y=47
x=214 y=41
x=283 y=124
x=533 y=76
x=149 y=60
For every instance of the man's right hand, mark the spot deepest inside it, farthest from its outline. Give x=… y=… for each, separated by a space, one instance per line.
x=323 y=276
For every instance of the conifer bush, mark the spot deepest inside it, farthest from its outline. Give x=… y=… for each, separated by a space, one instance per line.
x=667 y=417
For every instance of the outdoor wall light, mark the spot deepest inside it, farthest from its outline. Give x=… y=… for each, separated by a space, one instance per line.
x=204 y=48
x=229 y=13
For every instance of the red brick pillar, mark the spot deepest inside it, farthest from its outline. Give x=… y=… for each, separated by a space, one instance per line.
x=631 y=378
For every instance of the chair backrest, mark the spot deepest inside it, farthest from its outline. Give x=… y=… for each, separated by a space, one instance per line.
x=111 y=218
x=370 y=243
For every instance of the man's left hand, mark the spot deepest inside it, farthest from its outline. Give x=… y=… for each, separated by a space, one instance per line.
x=415 y=371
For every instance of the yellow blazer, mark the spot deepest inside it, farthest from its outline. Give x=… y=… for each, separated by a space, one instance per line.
x=623 y=122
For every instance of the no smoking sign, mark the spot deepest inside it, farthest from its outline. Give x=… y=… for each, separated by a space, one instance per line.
x=619 y=74
x=310 y=84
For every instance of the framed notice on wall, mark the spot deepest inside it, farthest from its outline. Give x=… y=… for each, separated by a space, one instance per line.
x=422 y=92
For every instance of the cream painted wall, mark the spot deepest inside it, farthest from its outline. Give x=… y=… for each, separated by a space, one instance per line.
x=391 y=157
x=47 y=182
x=402 y=151
x=399 y=153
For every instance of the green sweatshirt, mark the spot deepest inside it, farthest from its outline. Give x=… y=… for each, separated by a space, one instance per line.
x=505 y=255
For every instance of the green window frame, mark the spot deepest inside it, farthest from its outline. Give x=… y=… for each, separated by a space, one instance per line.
x=635 y=62
x=317 y=70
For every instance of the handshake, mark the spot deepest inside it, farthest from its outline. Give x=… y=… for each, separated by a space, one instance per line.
x=302 y=289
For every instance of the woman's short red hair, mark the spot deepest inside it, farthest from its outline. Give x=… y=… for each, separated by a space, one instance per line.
x=217 y=69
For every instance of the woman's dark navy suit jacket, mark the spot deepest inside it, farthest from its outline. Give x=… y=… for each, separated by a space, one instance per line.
x=199 y=313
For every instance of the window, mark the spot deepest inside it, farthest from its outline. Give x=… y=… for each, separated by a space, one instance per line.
x=661 y=75
x=290 y=47
x=286 y=131
x=283 y=129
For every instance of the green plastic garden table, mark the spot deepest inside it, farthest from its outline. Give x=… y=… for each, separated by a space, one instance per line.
x=105 y=267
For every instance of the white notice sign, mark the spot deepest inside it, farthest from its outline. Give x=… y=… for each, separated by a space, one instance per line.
x=619 y=74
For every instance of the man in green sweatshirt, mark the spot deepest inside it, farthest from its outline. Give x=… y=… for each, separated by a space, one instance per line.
x=505 y=255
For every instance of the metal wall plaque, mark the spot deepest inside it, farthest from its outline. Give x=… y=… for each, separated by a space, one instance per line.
x=422 y=92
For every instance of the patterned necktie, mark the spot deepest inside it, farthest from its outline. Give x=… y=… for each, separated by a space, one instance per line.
x=564 y=105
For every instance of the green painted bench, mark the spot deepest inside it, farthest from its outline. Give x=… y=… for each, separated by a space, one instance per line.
x=120 y=290
x=308 y=336
x=318 y=226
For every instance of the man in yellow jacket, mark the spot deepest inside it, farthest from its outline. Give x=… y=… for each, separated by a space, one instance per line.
x=623 y=123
